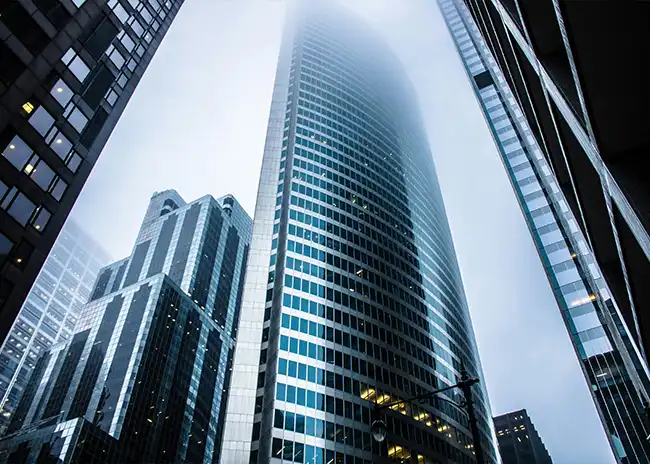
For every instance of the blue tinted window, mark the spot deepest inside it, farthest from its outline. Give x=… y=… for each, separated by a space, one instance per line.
x=289 y=421
x=300 y=425
x=301 y=400
x=293 y=366
x=281 y=388
x=282 y=366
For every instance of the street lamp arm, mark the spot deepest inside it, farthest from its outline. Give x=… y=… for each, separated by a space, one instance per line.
x=428 y=395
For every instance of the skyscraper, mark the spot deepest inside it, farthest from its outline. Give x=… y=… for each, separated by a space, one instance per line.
x=67 y=70
x=144 y=377
x=50 y=311
x=519 y=442
x=353 y=295
x=610 y=358
x=573 y=68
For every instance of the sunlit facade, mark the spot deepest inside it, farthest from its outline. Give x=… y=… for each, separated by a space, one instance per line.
x=610 y=360
x=353 y=295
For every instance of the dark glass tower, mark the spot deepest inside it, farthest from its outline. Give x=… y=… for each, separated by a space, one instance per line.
x=611 y=360
x=67 y=71
x=519 y=442
x=143 y=379
x=573 y=68
x=50 y=311
x=353 y=295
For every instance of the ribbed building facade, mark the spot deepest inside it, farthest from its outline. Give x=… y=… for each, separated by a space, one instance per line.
x=353 y=295
x=67 y=70
x=574 y=69
x=50 y=311
x=610 y=358
x=144 y=377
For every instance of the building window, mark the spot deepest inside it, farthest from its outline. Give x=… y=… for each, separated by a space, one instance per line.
x=60 y=144
x=73 y=162
x=61 y=92
x=58 y=188
x=18 y=206
x=119 y=11
x=41 y=120
x=126 y=41
x=122 y=80
x=115 y=56
x=41 y=219
x=40 y=173
x=24 y=159
x=21 y=254
x=111 y=97
x=136 y=26
x=5 y=247
x=17 y=152
x=76 y=65
x=75 y=117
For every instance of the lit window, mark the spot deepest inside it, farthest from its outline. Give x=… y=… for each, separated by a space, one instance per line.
x=17 y=152
x=61 y=145
x=28 y=107
x=61 y=92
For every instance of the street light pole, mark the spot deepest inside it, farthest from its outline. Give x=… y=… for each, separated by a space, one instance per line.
x=378 y=427
x=465 y=385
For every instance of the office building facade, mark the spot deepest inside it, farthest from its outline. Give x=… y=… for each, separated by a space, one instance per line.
x=144 y=377
x=50 y=311
x=67 y=71
x=353 y=295
x=519 y=442
x=610 y=357
x=573 y=68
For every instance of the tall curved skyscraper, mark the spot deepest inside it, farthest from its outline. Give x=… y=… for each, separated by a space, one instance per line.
x=353 y=294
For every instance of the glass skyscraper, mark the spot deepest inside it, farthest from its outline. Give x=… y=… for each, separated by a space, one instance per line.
x=353 y=295
x=574 y=68
x=67 y=70
x=610 y=358
x=143 y=378
x=50 y=311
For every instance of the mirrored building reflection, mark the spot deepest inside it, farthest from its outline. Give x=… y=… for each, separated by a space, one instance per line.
x=67 y=71
x=610 y=357
x=144 y=377
x=353 y=295
x=50 y=311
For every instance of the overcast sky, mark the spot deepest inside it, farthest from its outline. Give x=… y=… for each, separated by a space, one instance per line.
x=197 y=124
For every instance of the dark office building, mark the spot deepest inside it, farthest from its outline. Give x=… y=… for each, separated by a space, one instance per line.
x=143 y=378
x=574 y=68
x=353 y=296
x=519 y=442
x=67 y=70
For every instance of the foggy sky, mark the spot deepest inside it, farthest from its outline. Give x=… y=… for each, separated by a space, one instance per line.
x=197 y=124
